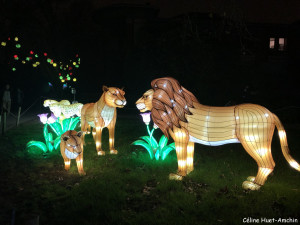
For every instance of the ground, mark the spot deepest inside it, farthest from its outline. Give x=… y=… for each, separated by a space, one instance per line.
x=129 y=188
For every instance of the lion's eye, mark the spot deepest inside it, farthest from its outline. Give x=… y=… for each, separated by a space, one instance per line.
x=145 y=97
x=114 y=94
x=68 y=145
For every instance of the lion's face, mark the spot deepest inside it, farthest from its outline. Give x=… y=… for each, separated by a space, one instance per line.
x=72 y=143
x=114 y=97
x=145 y=102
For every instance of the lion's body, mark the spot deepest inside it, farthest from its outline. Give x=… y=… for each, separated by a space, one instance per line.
x=103 y=114
x=71 y=148
x=177 y=112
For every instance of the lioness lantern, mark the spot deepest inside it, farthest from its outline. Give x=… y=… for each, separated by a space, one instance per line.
x=177 y=112
x=101 y=114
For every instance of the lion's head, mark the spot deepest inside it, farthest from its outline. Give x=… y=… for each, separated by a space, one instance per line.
x=145 y=102
x=169 y=102
x=114 y=97
x=72 y=143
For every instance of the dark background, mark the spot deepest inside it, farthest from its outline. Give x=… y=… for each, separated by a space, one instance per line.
x=214 y=48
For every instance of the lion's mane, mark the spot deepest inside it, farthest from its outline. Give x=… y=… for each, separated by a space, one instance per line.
x=170 y=103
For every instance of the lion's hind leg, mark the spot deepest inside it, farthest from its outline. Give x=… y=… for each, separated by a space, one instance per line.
x=261 y=153
x=190 y=157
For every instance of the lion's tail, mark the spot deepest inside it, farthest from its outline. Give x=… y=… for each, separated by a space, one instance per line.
x=284 y=144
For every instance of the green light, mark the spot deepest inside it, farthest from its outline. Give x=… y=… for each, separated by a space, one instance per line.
x=77 y=66
x=155 y=150
x=18 y=46
x=48 y=60
x=68 y=78
x=58 y=127
x=60 y=77
x=27 y=58
x=14 y=69
x=36 y=55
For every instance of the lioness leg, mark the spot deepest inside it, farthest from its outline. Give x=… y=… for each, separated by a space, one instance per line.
x=111 y=130
x=79 y=161
x=190 y=157
x=98 y=140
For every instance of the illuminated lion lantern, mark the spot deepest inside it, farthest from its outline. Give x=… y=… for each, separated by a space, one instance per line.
x=103 y=114
x=177 y=112
x=71 y=148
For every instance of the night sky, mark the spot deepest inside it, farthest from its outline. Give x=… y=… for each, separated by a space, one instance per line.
x=129 y=43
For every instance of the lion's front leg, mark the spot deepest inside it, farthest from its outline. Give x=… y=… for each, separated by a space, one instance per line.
x=181 y=142
x=111 y=129
x=98 y=136
x=190 y=157
x=79 y=161
x=67 y=161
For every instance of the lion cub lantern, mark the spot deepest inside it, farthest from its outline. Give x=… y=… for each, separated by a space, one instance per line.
x=71 y=148
x=177 y=112
x=103 y=114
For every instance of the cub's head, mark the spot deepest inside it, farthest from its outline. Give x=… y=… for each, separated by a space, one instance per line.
x=145 y=102
x=72 y=143
x=114 y=97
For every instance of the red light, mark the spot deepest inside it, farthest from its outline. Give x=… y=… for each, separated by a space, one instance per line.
x=8 y=38
x=59 y=74
x=31 y=52
x=70 y=67
x=71 y=73
x=76 y=55
x=15 y=56
x=45 y=54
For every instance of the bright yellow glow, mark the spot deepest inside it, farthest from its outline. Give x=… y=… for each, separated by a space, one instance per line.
x=181 y=163
x=190 y=149
x=294 y=164
x=189 y=161
x=266 y=171
x=178 y=148
x=97 y=144
x=34 y=65
x=110 y=140
x=62 y=81
x=67 y=163
x=16 y=38
x=262 y=151
x=180 y=134
x=282 y=134
x=74 y=63
x=54 y=64
x=3 y=43
x=74 y=79
x=251 y=138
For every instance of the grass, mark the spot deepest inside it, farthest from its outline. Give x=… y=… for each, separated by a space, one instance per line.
x=129 y=188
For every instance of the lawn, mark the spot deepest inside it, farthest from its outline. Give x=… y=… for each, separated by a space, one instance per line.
x=129 y=188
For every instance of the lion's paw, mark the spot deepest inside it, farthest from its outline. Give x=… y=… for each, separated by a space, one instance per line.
x=101 y=152
x=174 y=176
x=251 y=178
x=248 y=185
x=114 y=151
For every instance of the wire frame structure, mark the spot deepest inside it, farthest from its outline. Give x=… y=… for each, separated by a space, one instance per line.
x=71 y=148
x=103 y=114
x=178 y=113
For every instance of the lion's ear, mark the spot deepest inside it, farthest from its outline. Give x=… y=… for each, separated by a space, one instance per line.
x=65 y=138
x=104 y=88
x=79 y=134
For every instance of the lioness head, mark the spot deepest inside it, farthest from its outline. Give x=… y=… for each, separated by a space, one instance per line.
x=72 y=143
x=114 y=97
x=145 y=102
